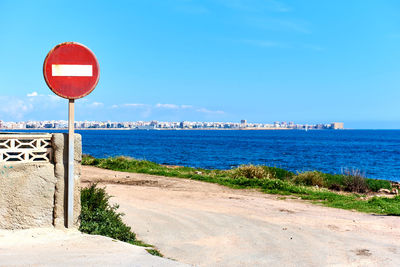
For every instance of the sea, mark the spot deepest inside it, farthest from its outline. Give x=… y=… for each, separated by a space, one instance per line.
x=376 y=153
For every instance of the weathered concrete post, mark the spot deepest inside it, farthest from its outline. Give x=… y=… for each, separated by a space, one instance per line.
x=60 y=147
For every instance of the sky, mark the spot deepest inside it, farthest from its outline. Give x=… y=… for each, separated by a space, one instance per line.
x=211 y=60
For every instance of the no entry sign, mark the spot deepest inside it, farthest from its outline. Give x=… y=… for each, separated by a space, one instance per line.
x=71 y=70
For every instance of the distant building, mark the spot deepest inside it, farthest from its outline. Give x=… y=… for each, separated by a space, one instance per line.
x=243 y=123
x=184 y=124
x=337 y=125
x=49 y=125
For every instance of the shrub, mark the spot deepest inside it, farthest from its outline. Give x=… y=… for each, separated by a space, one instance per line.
x=335 y=186
x=375 y=185
x=354 y=181
x=89 y=160
x=279 y=173
x=250 y=171
x=309 y=178
x=333 y=181
x=98 y=217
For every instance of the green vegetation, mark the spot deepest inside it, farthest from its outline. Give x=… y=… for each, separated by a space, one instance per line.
x=154 y=252
x=309 y=178
x=314 y=186
x=375 y=185
x=98 y=217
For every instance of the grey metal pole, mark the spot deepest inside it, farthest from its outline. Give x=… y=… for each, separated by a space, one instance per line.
x=71 y=153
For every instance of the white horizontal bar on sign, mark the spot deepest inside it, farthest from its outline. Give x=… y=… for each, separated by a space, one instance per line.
x=71 y=70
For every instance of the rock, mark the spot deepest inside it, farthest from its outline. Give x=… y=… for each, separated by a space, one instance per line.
x=384 y=190
x=395 y=191
x=197 y=172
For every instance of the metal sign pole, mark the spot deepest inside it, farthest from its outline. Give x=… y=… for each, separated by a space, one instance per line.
x=71 y=153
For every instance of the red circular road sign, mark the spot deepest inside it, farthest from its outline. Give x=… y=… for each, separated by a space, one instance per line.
x=71 y=70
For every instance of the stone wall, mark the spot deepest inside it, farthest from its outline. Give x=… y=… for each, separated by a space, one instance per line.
x=33 y=194
x=26 y=195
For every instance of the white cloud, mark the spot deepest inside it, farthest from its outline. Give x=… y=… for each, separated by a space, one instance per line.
x=186 y=106
x=96 y=104
x=148 y=109
x=135 y=105
x=167 y=106
x=83 y=100
x=33 y=94
x=14 y=108
x=158 y=106
x=54 y=98
x=20 y=108
x=204 y=110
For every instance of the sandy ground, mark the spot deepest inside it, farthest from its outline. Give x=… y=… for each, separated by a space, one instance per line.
x=210 y=225
x=52 y=247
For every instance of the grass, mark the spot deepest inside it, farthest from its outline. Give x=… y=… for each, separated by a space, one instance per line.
x=98 y=217
x=315 y=186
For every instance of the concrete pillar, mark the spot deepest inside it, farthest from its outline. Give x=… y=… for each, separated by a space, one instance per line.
x=60 y=160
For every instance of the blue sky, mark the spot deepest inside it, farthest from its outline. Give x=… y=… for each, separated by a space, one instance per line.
x=211 y=60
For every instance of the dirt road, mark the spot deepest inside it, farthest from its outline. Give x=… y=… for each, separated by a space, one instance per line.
x=210 y=225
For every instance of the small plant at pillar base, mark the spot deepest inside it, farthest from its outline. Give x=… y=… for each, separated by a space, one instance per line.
x=98 y=217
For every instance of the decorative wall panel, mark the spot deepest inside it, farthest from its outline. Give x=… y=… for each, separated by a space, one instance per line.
x=25 y=148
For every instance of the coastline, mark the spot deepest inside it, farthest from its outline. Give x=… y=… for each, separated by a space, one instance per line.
x=176 y=129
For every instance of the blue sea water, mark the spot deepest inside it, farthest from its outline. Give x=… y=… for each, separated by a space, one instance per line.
x=375 y=152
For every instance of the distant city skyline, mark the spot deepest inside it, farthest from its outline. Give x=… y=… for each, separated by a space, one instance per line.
x=213 y=60
x=157 y=125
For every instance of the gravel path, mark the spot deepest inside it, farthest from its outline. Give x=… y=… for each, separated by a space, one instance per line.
x=210 y=225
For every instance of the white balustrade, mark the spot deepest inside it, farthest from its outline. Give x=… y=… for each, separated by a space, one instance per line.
x=22 y=148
